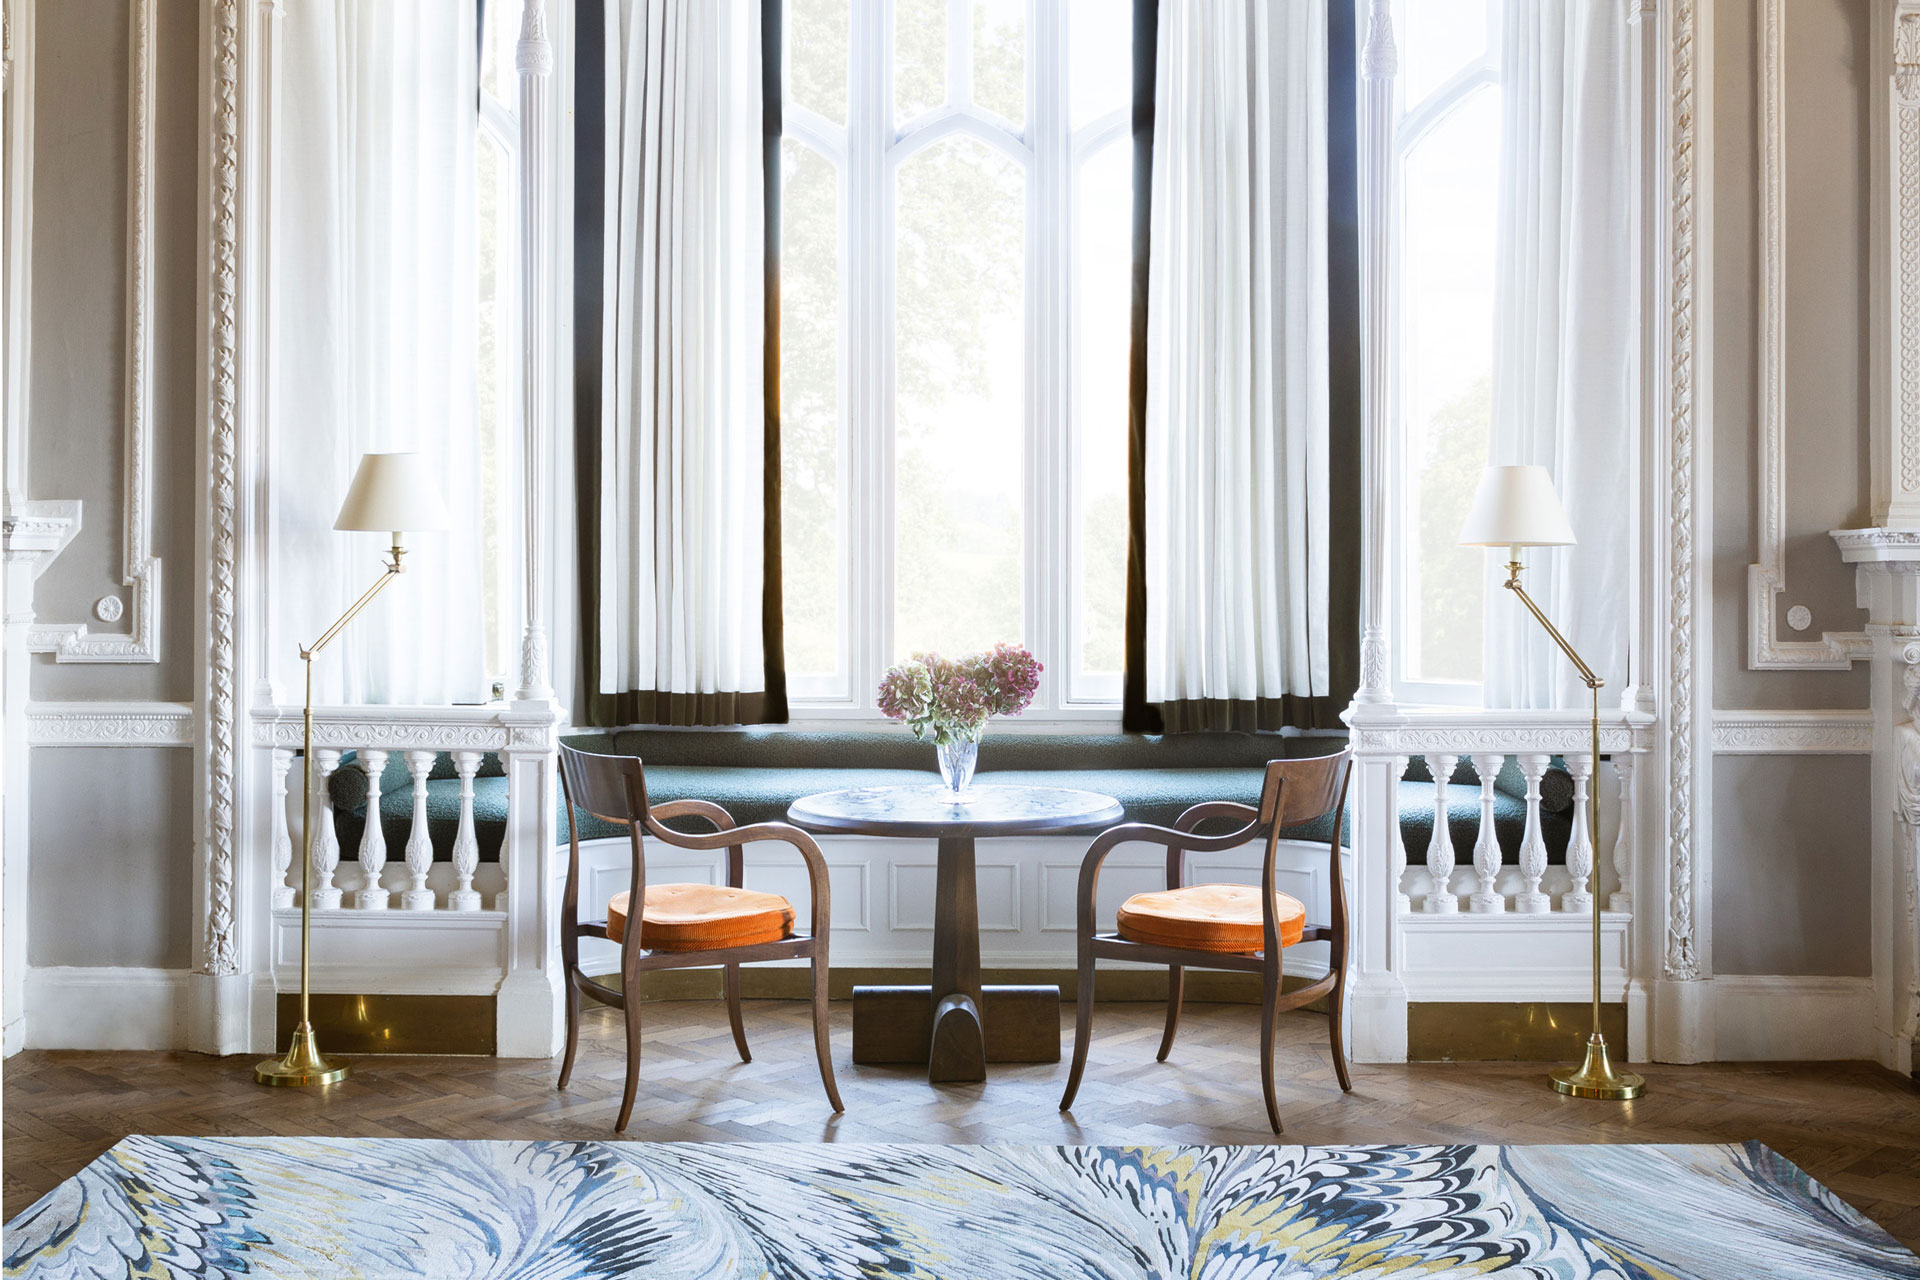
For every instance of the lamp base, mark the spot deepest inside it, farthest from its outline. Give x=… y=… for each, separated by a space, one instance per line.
x=1596 y=1078
x=303 y=1064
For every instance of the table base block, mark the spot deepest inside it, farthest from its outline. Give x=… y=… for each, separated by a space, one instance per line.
x=895 y=1025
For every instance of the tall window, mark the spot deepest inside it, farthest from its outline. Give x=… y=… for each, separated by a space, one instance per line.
x=956 y=205
x=496 y=190
x=1447 y=149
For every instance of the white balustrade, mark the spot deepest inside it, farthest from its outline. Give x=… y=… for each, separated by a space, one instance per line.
x=419 y=843
x=1533 y=843
x=323 y=841
x=373 y=837
x=1622 y=899
x=1580 y=860
x=466 y=848
x=282 y=833
x=1440 y=898
x=1399 y=843
x=1486 y=846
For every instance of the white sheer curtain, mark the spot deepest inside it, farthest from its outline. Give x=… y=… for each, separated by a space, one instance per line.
x=682 y=502
x=1237 y=378
x=374 y=340
x=1563 y=311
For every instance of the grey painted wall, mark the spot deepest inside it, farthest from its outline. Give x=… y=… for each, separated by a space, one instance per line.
x=1827 y=443
x=1791 y=862
x=111 y=856
x=111 y=882
x=77 y=438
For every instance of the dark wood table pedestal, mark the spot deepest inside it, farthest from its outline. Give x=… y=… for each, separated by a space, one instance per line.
x=955 y=1024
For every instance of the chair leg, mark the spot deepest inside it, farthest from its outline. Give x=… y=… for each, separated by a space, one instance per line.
x=1082 y=1025
x=1336 y=1033
x=633 y=1056
x=1269 y=1023
x=733 y=1012
x=573 y=1028
x=1176 y=985
x=822 y=1045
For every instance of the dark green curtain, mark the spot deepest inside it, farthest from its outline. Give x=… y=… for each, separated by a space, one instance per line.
x=1137 y=715
x=647 y=706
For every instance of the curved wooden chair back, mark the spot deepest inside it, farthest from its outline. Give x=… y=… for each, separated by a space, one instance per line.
x=1298 y=791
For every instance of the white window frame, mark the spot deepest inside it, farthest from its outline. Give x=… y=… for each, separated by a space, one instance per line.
x=498 y=122
x=1409 y=128
x=866 y=156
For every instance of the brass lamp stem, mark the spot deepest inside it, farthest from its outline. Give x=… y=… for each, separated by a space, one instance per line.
x=303 y=1063
x=1596 y=1076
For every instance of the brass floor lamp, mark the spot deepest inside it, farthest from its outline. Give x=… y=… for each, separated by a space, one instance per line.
x=1517 y=507
x=391 y=492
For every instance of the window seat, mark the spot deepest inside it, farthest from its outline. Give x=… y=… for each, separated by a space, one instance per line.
x=756 y=773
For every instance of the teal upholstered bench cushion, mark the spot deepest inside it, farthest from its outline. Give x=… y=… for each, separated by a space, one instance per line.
x=756 y=773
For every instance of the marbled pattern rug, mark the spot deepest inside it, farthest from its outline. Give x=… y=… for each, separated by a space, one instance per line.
x=322 y=1207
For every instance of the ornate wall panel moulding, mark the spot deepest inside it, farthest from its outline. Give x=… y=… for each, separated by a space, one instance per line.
x=1681 y=960
x=110 y=724
x=222 y=427
x=73 y=641
x=1767 y=578
x=1792 y=733
x=1903 y=241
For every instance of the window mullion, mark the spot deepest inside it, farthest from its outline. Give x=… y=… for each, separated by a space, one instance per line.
x=1048 y=474
x=868 y=325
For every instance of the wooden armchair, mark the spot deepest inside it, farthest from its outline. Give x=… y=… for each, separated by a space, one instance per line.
x=1233 y=927
x=683 y=926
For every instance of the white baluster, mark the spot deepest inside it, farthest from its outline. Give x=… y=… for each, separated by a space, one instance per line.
x=466 y=848
x=373 y=838
x=1486 y=846
x=501 y=901
x=1440 y=899
x=326 y=843
x=1580 y=843
x=1397 y=850
x=1533 y=845
x=417 y=897
x=282 y=832
x=1622 y=899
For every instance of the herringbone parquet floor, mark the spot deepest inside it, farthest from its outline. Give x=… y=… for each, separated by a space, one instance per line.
x=1853 y=1126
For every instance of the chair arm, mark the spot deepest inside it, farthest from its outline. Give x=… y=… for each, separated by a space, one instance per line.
x=720 y=818
x=1199 y=813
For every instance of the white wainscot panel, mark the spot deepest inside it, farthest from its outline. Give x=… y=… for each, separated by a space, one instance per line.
x=405 y=952
x=1513 y=957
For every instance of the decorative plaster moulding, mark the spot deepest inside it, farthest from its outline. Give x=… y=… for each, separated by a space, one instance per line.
x=110 y=724
x=1793 y=733
x=1767 y=577
x=73 y=641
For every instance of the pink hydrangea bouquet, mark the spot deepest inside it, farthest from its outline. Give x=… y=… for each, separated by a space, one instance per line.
x=949 y=699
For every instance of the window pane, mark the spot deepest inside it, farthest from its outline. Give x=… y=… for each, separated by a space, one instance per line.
x=500 y=34
x=959 y=399
x=1446 y=379
x=810 y=437
x=1437 y=38
x=1000 y=58
x=1099 y=60
x=816 y=34
x=1102 y=307
x=919 y=57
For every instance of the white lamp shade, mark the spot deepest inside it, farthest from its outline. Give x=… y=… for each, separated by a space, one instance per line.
x=1516 y=507
x=392 y=492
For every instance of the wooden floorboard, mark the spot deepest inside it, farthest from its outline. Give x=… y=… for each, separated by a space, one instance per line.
x=1853 y=1126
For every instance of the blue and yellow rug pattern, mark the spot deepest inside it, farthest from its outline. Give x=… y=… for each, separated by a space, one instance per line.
x=324 y=1207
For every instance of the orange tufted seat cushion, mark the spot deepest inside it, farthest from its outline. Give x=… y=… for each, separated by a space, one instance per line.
x=1209 y=917
x=703 y=917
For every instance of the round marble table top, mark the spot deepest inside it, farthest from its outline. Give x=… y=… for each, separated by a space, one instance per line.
x=930 y=810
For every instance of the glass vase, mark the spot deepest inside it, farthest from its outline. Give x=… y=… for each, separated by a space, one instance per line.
x=956 y=765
